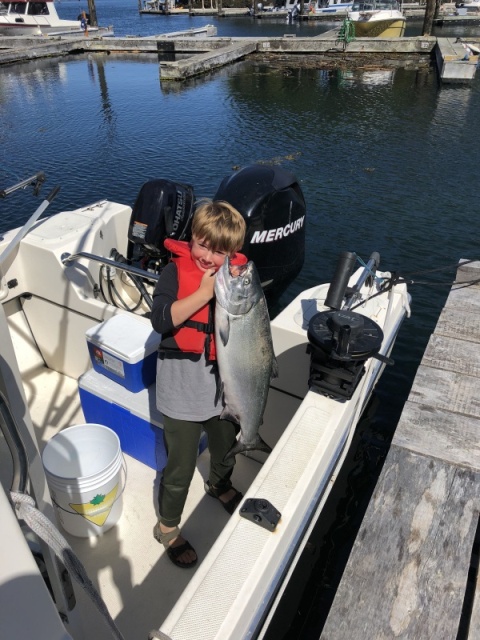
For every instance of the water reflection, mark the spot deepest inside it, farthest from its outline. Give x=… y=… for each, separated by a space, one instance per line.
x=98 y=64
x=376 y=77
x=26 y=80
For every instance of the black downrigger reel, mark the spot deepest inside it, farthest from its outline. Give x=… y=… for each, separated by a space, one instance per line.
x=270 y=200
x=340 y=340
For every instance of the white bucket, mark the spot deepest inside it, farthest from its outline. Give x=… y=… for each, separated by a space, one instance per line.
x=83 y=465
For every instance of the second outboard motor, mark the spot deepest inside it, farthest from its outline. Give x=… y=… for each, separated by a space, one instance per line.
x=163 y=209
x=272 y=203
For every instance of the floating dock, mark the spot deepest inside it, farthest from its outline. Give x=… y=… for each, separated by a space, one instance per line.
x=186 y=54
x=413 y=570
x=455 y=61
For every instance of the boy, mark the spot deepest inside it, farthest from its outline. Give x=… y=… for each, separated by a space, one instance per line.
x=187 y=376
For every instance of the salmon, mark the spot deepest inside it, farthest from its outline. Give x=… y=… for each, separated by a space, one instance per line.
x=245 y=356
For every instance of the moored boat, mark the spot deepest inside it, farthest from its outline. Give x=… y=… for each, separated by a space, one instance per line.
x=37 y=18
x=63 y=280
x=467 y=8
x=377 y=19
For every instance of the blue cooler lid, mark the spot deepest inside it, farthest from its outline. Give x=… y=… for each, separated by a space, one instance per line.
x=126 y=336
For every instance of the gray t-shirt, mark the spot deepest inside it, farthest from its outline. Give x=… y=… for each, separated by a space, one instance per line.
x=187 y=387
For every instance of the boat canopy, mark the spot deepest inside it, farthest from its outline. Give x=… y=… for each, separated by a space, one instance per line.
x=22 y=3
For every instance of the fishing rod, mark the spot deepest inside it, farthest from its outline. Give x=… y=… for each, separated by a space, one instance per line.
x=36 y=181
x=26 y=227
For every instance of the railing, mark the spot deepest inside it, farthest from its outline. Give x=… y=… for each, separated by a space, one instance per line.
x=67 y=258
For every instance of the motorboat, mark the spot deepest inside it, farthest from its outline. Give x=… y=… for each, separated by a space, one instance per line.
x=39 y=18
x=467 y=8
x=377 y=19
x=64 y=279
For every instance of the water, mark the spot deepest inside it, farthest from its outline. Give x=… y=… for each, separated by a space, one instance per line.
x=387 y=162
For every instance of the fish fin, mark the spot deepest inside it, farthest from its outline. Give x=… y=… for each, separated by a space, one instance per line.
x=223 y=326
x=228 y=415
x=274 y=373
x=219 y=393
x=258 y=445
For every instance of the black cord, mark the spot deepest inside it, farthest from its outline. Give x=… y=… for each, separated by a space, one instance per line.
x=467 y=283
x=395 y=279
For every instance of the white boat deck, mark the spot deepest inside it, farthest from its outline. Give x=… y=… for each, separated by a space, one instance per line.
x=128 y=566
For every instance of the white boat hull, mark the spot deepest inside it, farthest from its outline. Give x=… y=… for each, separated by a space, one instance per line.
x=382 y=20
x=390 y=27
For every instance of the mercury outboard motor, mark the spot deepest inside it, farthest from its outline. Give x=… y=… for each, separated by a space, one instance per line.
x=163 y=209
x=272 y=203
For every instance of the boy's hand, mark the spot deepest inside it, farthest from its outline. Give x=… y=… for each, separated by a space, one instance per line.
x=207 y=284
x=184 y=308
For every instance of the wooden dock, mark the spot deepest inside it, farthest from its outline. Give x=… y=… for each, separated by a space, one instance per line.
x=413 y=570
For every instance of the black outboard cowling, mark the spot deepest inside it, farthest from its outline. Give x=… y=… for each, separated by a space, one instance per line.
x=163 y=209
x=269 y=198
x=272 y=203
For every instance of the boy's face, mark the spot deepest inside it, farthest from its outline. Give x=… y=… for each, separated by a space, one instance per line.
x=204 y=257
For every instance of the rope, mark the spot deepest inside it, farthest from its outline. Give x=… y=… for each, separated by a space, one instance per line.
x=389 y=283
x=46 y=531
x=459 y=285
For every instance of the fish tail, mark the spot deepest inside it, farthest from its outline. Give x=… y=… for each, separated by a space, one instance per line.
x=239 y=447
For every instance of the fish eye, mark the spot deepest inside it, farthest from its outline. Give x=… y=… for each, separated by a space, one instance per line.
x=246 y=280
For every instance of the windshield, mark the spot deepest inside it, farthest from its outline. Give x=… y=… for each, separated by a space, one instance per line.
x=375 y=5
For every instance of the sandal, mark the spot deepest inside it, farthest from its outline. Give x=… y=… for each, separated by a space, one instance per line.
x=174 y=552
x=229 y=506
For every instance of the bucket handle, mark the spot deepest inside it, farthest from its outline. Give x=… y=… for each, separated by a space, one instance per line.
x=75 y=513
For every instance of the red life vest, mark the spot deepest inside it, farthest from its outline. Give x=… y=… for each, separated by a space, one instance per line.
x=195 y=335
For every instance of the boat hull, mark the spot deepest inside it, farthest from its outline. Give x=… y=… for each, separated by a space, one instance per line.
x=389 y=28
x=12 y=29
x=43 y=30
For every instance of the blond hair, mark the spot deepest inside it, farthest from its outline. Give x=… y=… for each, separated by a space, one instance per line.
x=220 y=225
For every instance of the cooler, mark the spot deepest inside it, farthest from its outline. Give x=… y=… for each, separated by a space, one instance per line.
x=124 y=349
x=133 y=416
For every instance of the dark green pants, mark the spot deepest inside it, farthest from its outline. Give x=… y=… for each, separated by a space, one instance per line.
x=182 y=439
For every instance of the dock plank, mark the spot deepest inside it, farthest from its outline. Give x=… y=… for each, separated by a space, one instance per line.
x=454 y=440
x=450 y=353
x=408 y=573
